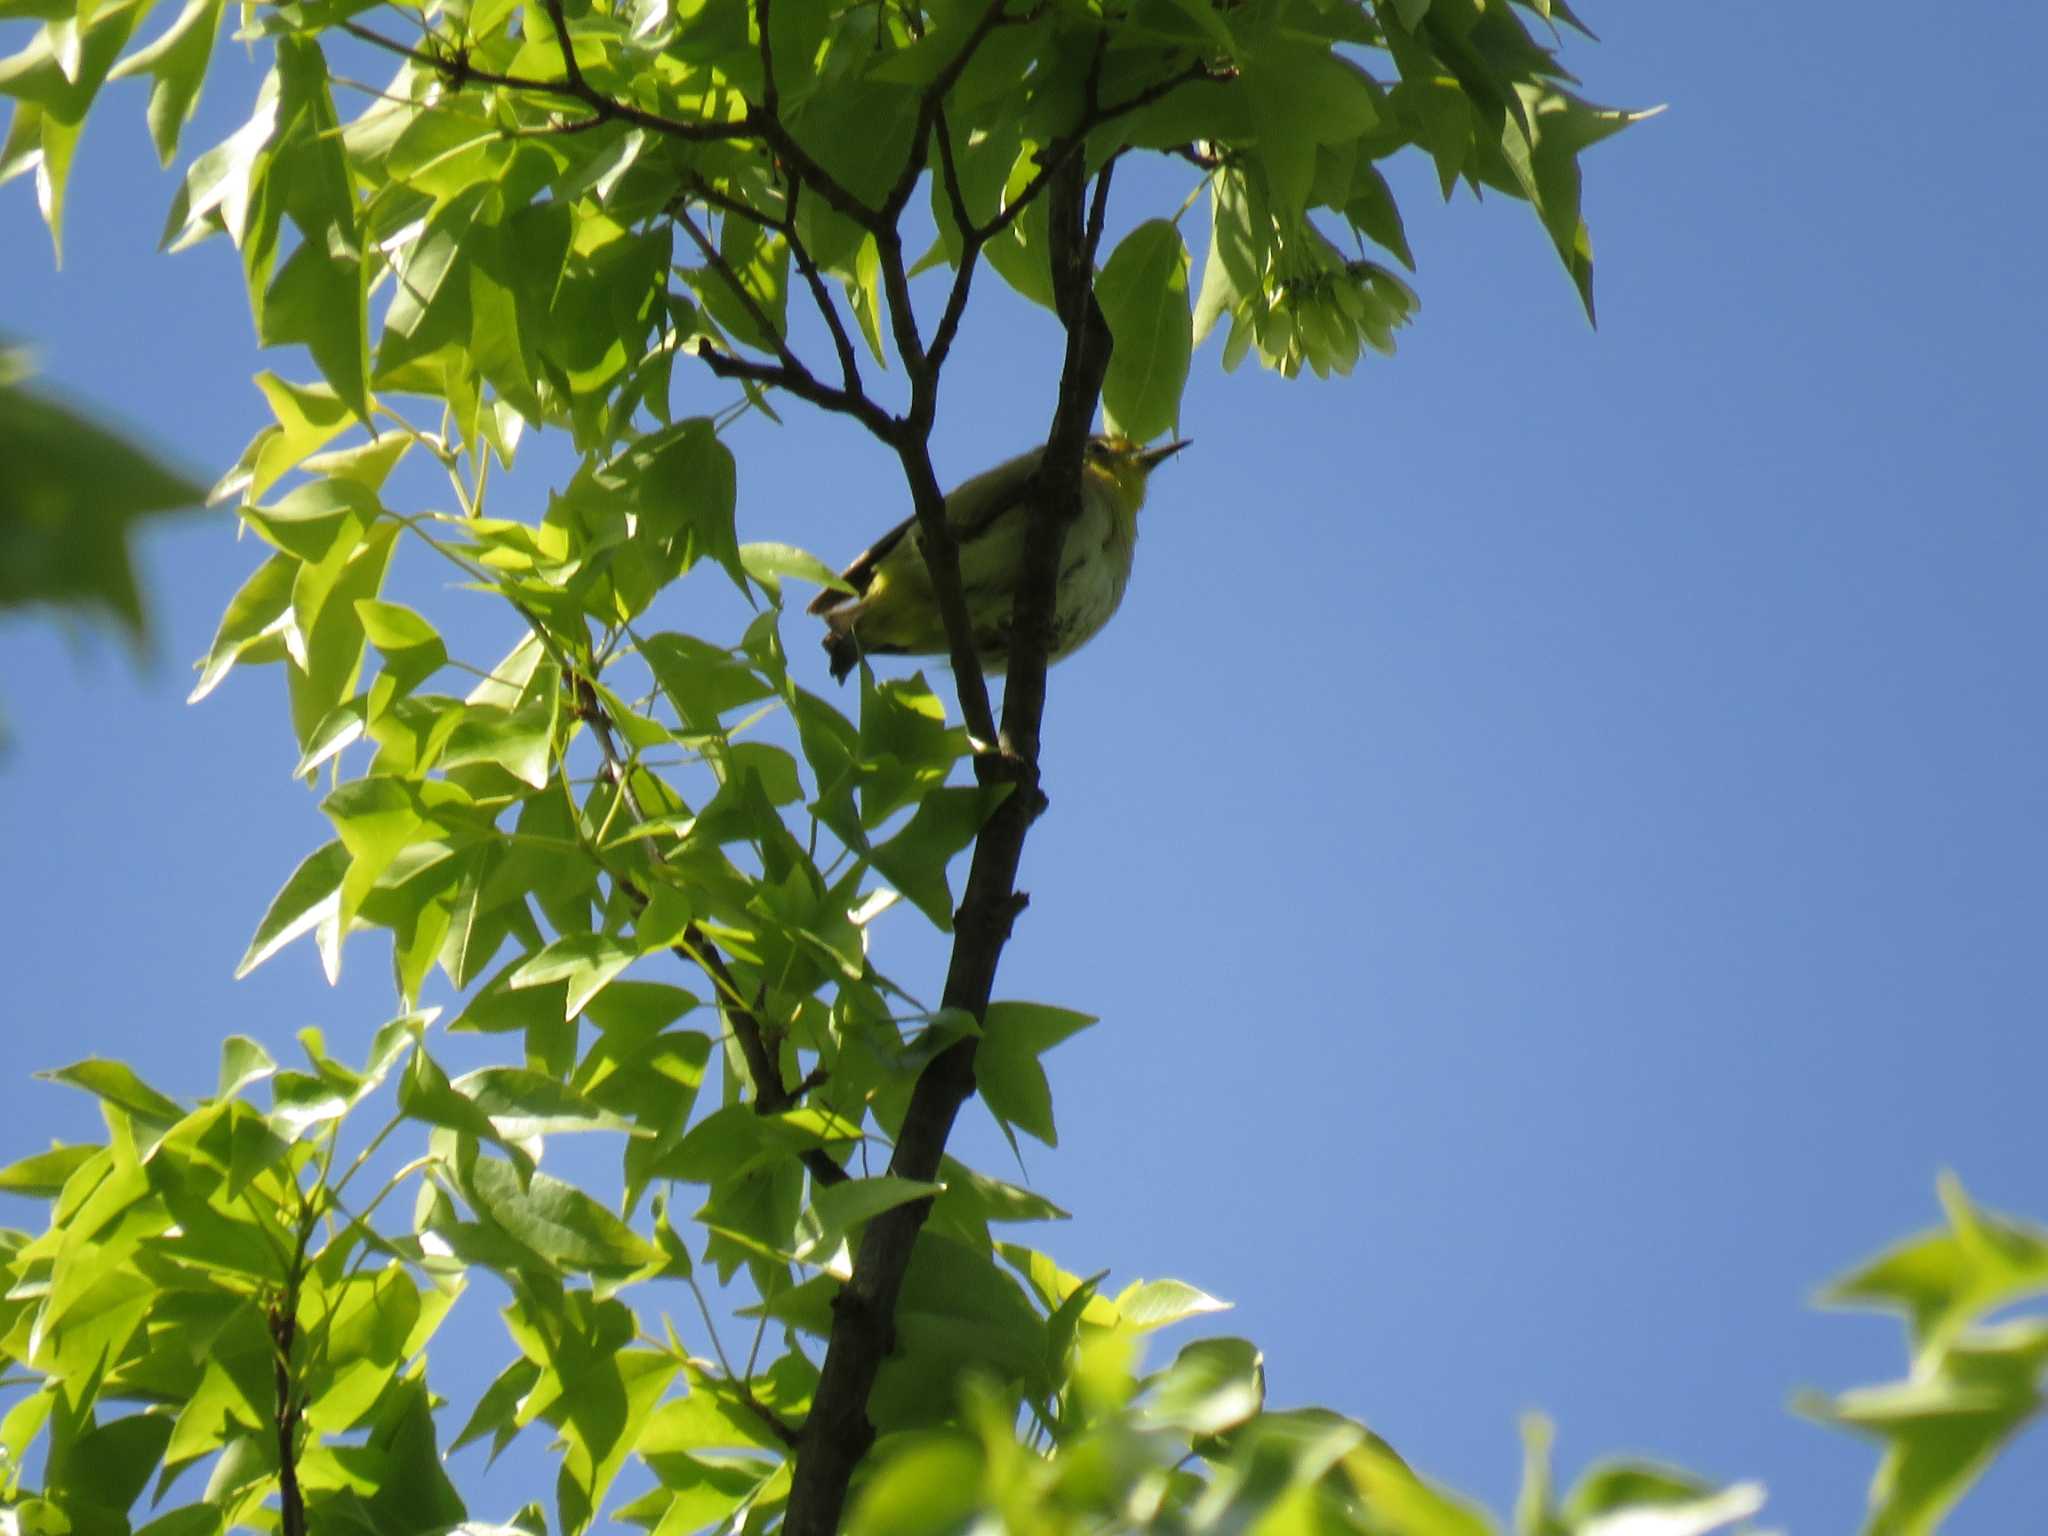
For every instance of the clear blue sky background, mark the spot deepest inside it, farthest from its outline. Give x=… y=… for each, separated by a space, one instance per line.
x=1555 y=837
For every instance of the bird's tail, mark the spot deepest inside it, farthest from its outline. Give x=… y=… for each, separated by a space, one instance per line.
x=840 y=646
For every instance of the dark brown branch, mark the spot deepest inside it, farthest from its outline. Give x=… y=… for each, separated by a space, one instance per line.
x=1098 y=210
x=284 y=1327
x=779 y=1427
x=942 y=558
x=801 y=383
x=771 y=99
x=284 y=1335
x=837 y=1433
x=1058 y=152
x=912 y=441
x=821 y=298
x=711 y=197
x=770 y=129
x=456 y=69
x=715 y=259
x=928 y=104
x=570 y=67
x=970 y=249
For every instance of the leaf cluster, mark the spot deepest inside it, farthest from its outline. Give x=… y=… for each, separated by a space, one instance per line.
x=649 y=864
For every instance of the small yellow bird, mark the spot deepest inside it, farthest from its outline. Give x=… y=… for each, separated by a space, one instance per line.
x=893 y=611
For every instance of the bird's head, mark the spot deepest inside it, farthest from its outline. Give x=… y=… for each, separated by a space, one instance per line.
x=1128 y=463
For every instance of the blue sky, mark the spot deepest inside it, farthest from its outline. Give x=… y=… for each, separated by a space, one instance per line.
x=1554 y=837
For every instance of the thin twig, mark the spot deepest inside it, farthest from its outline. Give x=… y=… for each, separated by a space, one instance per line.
x=821 y=297
x=771 y=1097
x=715 y=259
x=458 y=72
x=970 y=249
x=803 y=384
x=777 y=1426
x=928 y=103
x=570 y=67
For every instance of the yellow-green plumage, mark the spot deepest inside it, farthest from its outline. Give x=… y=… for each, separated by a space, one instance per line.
x=893 y=611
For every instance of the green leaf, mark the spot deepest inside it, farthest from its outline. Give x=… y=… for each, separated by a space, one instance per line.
x=299 y=1102
x=242 y=1062
x=1213 y=1385
x=523 y=1104
x=250 y=628
x=308 y=416
x=1374 y=213
x=586 y=961
x=1944 y=1280
x=521 y=740
x=758 y=289
x=43 y=1174
x=683 y=486
x=69 y=500
x=311 y=898
x=906 y=748
x=381 y=818
x=426 y=1094
x=928 y=1487
x=735 y=1140
x=1144 y=296
x=554 y=1219
x=333 y=643
x=177 y=59
x=842 y=1207
x=1149 y=1304
x=1013 y=1084
x=915 y=859
x=320 y=296
x=958 y=1312
x=1657 y=1501
x=497 y=1412
x=1942 y=1427
x=412 y=1493
x=768 y=563
x=191 y=1520
x=411 y=648
x=604 y=1406
x=972 y=1200
x=1022 y=252
x=59 y=74
x=116 y=1082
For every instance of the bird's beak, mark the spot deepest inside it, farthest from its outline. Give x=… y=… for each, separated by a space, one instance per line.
x=1152 y=458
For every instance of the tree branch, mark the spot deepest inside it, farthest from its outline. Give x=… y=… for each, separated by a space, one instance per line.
x=912 y=442
x=283 y=1319
x=928 y=103
x=771 y=1096
x=821 y=297
x=570 y=67
x=715 y=259
x=970 y=249
x=283 y=1334
x=1062 y=149
x=837 y=1432
x=770 y=129
x=801 y=383
x=456 y=69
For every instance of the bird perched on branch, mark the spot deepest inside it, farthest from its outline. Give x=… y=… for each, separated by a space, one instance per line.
x=893 y=612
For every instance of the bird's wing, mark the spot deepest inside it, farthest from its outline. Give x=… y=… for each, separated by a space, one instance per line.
x=970 y=509
x=976 y=503
x=862 y=571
